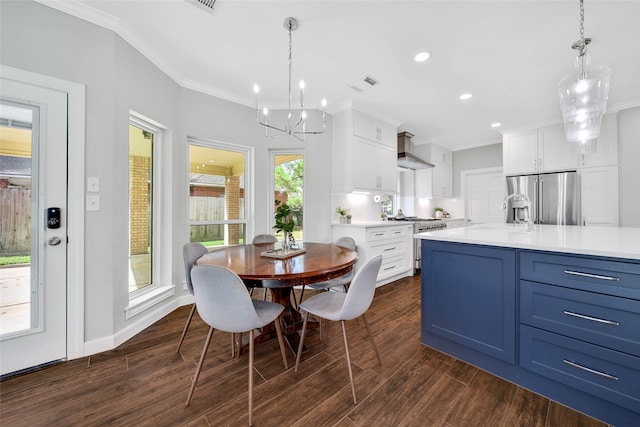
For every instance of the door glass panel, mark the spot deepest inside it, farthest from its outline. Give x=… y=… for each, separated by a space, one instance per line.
x=140 y=208
x=18 y=236
x=216 y=196
x=289 y=188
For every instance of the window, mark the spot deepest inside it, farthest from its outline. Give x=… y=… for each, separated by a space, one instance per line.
x=141 y=205
x=218 y=193
x=288 y=184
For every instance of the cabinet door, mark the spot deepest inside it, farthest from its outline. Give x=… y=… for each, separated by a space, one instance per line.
x=520 y=153
x=442 y=180
x=387 y=169
x=599 y=195
x=554 y=152
x=365 y=167
x=440 y=155
x=469 y=296
x=606 y=153
x=365 y=127
x=424 y=182
x=388 y=135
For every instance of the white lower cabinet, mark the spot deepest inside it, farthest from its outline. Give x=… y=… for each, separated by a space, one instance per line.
x=599 y=194
x=393 y=242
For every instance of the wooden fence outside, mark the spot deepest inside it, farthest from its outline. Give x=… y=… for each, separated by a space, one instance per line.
x=15 y=221
x=208 y=209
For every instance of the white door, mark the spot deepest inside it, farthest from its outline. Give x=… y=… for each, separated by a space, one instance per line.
x=33 y=185
x=483 y=191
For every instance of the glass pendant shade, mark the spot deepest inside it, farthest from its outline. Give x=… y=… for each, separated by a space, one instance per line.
x=583 y=99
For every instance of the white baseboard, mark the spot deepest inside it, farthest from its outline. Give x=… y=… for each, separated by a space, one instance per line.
x=109 y=343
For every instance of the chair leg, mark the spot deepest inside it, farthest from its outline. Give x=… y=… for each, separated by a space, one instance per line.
x=186 y=327
x=233 y=345
x=346 y=349
x=281 y=342
x=373 y=343
x=199 y=368
x=304 y=330
x=251 y=377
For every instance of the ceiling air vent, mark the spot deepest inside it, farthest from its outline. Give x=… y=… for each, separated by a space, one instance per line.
x=206 y=5
x=363 y=84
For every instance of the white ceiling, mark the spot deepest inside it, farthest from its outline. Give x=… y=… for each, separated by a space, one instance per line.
x=509 y=54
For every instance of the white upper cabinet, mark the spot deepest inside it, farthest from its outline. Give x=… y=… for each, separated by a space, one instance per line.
x=438 y=154
x=537 y=150
x=364 y=153
x=606 y=153
x=374 y=130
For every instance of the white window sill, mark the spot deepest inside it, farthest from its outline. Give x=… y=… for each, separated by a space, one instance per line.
x=148 y=300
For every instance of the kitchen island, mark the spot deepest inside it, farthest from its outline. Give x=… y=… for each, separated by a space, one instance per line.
x=555 y=310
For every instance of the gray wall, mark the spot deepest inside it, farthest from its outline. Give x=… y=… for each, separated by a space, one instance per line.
x=629 y=166
x=118 y=79
x=489 y=156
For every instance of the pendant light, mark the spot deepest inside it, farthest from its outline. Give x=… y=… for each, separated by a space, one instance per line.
x=583 y=95
x=293 y=127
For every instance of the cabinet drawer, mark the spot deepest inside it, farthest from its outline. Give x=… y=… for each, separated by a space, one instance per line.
x=391 y=267
x=604 y=320
x=590 y=274
x=389 y=248
x=607 y=374
x=381 y=233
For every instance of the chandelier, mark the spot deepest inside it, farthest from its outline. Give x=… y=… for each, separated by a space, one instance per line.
x=294 y=127
x=583 y=95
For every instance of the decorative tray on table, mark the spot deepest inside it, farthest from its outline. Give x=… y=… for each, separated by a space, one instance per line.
x=283 y=254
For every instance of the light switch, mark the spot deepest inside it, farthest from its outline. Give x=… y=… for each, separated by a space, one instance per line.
x=93 y=202
x=93 y=184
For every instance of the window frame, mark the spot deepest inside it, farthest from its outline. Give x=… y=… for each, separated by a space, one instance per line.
x=272 y=186
x=157 y=130
x=249 y=211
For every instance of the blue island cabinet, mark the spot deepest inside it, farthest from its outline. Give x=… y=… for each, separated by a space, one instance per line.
x=563 y=325
x=471 y=299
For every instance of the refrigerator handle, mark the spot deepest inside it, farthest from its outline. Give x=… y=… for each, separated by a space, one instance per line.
x=540 y=201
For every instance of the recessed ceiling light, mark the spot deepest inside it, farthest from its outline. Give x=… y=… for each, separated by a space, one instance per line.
x=465 y=96
x=422 y=56
x=496 y=125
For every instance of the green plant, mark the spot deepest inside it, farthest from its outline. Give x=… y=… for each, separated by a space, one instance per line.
x=284 y=218
x=439 y=210
x=343 y=211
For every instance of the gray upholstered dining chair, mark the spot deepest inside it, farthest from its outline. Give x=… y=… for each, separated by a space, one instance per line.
x=338 y=306
x=342 y=281
x=190 y=253
x=261 y=239
x=264 y=238
x=224 y=304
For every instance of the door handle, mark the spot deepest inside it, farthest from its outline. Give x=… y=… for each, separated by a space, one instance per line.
x=54 y=241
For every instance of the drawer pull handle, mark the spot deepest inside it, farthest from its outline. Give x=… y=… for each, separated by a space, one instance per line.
x=593 y=371
x=379 y=234
x=595 y=319
x=390 y=249
x=595 y=276
x=390 y=268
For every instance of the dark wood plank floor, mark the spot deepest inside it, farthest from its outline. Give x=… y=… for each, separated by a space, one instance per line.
x=143 y=382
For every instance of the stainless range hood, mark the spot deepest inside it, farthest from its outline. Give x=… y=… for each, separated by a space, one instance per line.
x=407 y=160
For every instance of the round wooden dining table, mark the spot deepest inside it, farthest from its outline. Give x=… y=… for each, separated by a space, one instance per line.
x=266 y=266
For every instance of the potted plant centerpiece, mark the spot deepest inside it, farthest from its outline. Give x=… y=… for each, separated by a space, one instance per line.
x=284 y=223
x=439 y=212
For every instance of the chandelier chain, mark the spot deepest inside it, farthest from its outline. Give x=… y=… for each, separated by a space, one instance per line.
x=582 y=20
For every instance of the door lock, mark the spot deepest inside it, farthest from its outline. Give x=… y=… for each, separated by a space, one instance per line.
x=54 y=241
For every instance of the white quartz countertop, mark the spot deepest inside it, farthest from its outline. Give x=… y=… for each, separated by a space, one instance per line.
x=365 y=224
x=617 y=242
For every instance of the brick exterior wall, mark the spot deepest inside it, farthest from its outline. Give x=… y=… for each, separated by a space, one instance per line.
x=232 y=196
x=139 y=204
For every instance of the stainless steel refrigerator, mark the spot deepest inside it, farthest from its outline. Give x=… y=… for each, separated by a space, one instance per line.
x=555 y=198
